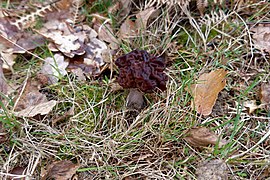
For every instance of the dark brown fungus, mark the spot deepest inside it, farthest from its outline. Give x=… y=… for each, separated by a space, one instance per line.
x=139 y=69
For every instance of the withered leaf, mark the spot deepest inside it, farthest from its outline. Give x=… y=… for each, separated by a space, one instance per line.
x=214 y=170
x=16 y=172
x=105 y=33
x=61 y=170
x=265 y=95
x=42 y=109
x=201 y=136
x=205 y=92
x=128 y=29
x=144 y=16
x=54 y=68
x=261 y=36
x=31 y=102
x=251 y=106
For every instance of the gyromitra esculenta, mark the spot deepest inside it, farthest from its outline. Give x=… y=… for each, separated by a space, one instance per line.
x=140 y=70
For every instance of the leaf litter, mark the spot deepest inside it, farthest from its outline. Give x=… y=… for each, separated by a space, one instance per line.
x=206 y=90
x=80 y=49
x=202 y=136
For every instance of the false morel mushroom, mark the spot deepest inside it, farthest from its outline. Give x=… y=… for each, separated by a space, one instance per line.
x=139 y=69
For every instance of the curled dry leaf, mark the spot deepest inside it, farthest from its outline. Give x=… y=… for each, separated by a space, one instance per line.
x=54 y=68
x=60 y=170
x=201 y=136
x=214 y=170
x=261 y=37
x=205 y=92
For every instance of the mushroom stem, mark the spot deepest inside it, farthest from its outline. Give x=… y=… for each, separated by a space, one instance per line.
x=135 y=100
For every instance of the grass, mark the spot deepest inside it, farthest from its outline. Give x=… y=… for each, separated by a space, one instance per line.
x=98 y=135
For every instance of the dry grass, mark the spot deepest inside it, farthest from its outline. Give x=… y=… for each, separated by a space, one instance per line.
x=99 y=137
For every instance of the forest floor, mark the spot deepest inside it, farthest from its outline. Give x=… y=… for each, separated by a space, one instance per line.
x=75 y=122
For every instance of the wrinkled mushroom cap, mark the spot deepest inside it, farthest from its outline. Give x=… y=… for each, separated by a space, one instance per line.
x=138 y=69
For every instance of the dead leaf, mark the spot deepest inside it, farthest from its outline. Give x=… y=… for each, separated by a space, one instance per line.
x=105 y=33
x=201 y=136
x=132 y=28
x=26 y=42
x=251 y=106
x=60 y=170
x=63 y=36
x=31 y=102
x=261 y=37
x=205 y=92
x=143 y=17
x=42 y=109
x=54 y=68
x=128 y=29
x=125 y=7
x=215 y=170
x=265 y=95
x=9 y=60
x=17 y=171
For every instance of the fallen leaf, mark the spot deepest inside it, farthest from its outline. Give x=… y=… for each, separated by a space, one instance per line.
x=261 y=37
x=132 y=28
x=205 y=92
x=105 y=33
x=251 y=106
x=42 y=109
x=27 y=41
x=143 y=17
x=201 y=136
x=16 y=172
x=31 y=102
x=125 y=7
x=60 y=170
x=54 y=68
x=128 y=29
x=9 y=60
x=215 y=170
x=265 y=95
x=63 y=36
